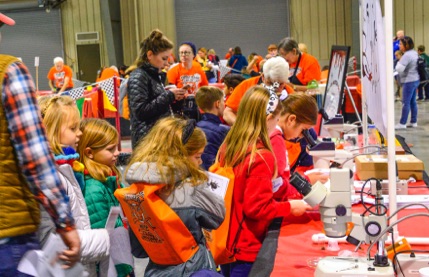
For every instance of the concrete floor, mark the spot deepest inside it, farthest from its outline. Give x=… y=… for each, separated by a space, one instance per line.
x=417 y=137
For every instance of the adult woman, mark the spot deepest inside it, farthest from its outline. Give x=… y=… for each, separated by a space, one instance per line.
x=147 y=98
x=275 y=73
x=205 y=63
x=189 y=75
x=237 y=61
x=303 y=67
x=409 y=78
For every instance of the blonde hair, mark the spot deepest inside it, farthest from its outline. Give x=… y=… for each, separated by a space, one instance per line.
x=250 y=126
x=207 y=96
x=56 y=111
x=163 y=145
x=97 y=134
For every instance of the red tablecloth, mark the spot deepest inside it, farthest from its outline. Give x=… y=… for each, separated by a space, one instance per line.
x=295 y=245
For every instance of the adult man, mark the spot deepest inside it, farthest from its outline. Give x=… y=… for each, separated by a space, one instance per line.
x=60 y=76
x=28 y=172
x=399 y=34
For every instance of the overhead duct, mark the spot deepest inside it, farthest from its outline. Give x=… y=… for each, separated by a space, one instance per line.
x=19 y=5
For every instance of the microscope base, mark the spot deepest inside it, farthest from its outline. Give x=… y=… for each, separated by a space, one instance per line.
x=337 y=266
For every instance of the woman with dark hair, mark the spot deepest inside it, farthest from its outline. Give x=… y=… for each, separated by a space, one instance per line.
x=409 y=78
x=148 y=99
x=303 y=67
x=237 y=61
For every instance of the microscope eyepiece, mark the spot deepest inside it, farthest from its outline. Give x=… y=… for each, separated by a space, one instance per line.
x=300 y=183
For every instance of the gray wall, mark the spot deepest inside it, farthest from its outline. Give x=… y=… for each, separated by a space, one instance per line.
x=43 y=39
x=250 y=24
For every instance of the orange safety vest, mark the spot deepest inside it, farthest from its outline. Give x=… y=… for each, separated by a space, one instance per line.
x=161 y=232
x=217 y=239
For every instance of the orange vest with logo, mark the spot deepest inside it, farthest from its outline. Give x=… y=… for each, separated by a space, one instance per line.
x=160 y=231
x=217 y=239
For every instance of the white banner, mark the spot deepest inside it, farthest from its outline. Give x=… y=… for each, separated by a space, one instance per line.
x=374 y=63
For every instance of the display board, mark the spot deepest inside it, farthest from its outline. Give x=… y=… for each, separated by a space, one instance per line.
x=337 y=75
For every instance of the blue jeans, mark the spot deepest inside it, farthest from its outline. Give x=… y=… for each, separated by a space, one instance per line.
x=424 y=88
x=12 y=251
x=236 y=269
x=409 y=102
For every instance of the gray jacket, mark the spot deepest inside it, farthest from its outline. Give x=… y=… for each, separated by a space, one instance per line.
x=196 y=206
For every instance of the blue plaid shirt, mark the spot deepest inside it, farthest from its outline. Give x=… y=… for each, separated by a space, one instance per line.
x=31 y=145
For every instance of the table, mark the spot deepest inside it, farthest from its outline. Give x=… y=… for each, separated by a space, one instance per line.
x=295 y=244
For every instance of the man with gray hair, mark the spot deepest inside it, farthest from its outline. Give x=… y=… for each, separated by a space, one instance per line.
x=274 y=74
x=60 y=76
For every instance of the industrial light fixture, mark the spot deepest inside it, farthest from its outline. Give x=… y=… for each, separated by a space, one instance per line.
x=48 y=5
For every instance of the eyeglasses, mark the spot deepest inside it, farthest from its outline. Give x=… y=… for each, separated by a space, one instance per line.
x=185 y=53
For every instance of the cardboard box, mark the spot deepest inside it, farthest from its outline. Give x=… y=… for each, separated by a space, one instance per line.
x=375 y=166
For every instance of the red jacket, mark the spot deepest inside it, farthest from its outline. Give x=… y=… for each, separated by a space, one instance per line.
x=253 y=198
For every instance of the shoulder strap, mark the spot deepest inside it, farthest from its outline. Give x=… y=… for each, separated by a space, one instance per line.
x=5 y=61
x=296 y=68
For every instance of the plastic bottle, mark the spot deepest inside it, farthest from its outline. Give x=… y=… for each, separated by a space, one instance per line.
x=372 y=135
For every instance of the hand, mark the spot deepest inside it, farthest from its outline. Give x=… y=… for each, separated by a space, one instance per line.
x=298 y=207
x=179 y=93
x=72 y=254
x=318 y=176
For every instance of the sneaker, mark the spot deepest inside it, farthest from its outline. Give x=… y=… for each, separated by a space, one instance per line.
x=412 y=125
x=420 y=99
x=400 y=126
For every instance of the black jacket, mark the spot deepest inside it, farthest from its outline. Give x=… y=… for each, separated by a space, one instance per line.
x=148 y=100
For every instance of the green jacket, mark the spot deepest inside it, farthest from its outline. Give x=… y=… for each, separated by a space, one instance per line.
x=99 y=199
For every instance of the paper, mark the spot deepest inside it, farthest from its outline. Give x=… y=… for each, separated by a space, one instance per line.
x=120 y=248
x=277 y=183
x=45 y=262
x=111 y=219
x=217 y=184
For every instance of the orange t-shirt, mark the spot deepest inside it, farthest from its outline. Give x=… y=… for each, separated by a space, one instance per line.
x=57 y=77
x=107 y=74
x=194 y=77
x=234 y=99
x=308 y=69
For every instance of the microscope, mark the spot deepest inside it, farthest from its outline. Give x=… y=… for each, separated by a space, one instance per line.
x=335 y=211
x=324 y=153
x=336 y=126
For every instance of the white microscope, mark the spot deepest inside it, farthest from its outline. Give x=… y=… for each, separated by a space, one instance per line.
x=335 y=210
x=324 y=153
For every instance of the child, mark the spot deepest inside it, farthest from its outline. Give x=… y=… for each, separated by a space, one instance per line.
x=398 y=55
x=61 y=119
x=299 y=112
x=210 y=100
x=171 y=154
x=98 y=150
x=231 y=81
x=248 y=150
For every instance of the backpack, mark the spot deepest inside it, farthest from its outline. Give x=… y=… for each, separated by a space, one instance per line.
x=160 y=231
x=217 y=239
x=421 y=69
